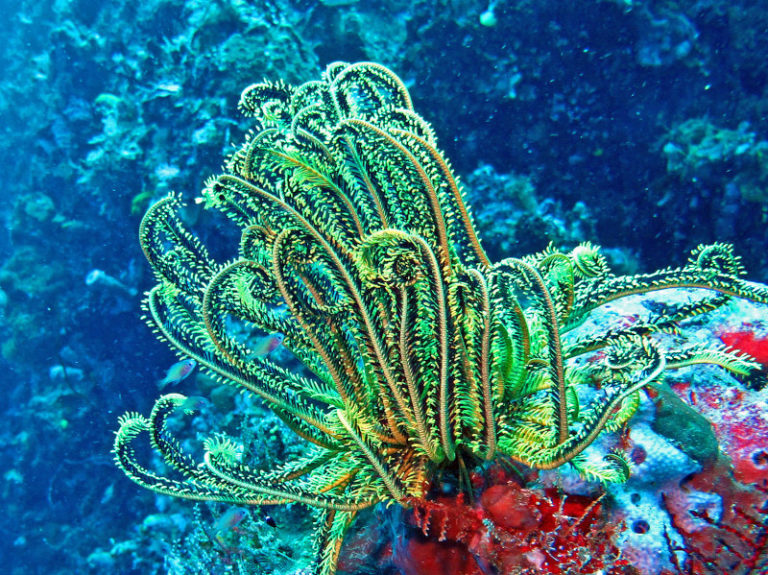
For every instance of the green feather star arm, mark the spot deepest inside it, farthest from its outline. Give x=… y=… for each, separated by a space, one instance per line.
x=331 y=528
x=714 y=268
x=737 y=362
x=422 y=358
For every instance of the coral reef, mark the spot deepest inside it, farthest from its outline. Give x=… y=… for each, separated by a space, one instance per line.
x=422 y=359
x=515 y=220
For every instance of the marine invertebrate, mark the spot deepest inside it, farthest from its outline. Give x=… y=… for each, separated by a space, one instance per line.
x=422 y=357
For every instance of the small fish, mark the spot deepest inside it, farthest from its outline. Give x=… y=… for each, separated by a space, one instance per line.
x=268 y=344
x=177 y=372
x=109 y=493
x=268 y=518
x=746 y=341
x=229 y=520
x=193 y=404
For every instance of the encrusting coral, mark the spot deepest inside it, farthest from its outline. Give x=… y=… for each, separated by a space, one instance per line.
x=422 y=357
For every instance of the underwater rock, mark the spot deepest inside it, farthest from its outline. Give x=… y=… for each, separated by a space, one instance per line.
x=686 y=428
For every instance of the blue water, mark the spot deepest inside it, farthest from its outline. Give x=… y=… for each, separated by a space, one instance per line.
x=569 y=124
